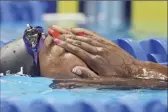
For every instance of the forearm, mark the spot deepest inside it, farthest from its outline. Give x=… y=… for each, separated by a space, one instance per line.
x=153 y=70
x=110 y=83
x=13 y=56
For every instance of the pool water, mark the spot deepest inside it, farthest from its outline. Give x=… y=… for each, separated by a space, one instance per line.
x=31 y=92
x=28 y=88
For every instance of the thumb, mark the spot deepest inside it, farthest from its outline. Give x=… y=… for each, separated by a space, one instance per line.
x=84 y=72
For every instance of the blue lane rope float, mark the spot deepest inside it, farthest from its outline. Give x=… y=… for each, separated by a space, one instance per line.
x=154 y=46
x=7 y=106
x=155 y=50
x=157 y=58
x=133 y=48
x=41 y=105
x=155 y=106
x=82 y=106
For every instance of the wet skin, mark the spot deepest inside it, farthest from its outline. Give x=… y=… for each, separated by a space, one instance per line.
x=89 y=60
x=56 y=63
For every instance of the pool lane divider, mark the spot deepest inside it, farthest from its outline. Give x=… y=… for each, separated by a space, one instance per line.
x=42 y=105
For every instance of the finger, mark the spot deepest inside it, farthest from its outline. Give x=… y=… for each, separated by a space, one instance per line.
x=91 y=34
x=48 y=41
x=83 y=31
x=53 y=33
x=56 y=51
x=61 y=30
x=67 y=29
x=88 y=33
x=84 y=72
x=85 y=56
x=85 y=46
x=51 y=48
x=82 y=39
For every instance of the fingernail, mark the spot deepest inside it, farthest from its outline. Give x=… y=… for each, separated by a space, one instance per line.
x=57 y=41
x=77 y=71
x=53 y=32
x=81 y=33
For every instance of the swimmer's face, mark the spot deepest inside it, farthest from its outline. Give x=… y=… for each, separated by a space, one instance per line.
x=55 y=62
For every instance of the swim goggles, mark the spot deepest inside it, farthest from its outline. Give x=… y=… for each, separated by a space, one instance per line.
x=33 y=38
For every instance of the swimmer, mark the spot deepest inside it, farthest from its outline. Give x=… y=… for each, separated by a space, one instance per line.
x=90 y=60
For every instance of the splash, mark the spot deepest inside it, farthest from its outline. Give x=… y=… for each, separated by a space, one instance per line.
x=20 y=73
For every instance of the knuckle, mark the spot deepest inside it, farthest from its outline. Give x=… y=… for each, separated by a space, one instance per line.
x=94 y=43
x=67 y=31
x=77 y=43
x=74 y=42
x=65 y=45
x=100 y=49
x=96 y=57
x=71 y=36
x=82 y=38
x=68 y=40
x=63 y=36
x=90 y=36
x=67 y=36
x=87 y=40
x=76 y=49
